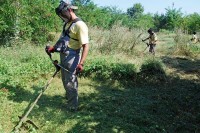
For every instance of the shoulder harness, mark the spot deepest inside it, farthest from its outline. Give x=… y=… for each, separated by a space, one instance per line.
x=66 y=32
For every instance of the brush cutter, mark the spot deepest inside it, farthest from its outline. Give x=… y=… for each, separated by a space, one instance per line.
x=55 y=62
x=146 y=46
x=134 y=43
x=24 y=118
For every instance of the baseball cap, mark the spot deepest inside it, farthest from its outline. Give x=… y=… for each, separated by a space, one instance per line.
x=68 y=4
x=64 y=4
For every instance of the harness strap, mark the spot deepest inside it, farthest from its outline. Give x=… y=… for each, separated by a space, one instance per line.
x=66 y=32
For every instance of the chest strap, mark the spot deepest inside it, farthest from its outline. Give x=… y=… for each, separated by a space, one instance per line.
x=66 y=32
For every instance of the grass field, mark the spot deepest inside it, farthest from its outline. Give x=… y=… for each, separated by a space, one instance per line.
x=148 y=102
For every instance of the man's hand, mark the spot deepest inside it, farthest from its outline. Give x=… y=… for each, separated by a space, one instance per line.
x=79 y=68
x=55 y=62
x=49 y=49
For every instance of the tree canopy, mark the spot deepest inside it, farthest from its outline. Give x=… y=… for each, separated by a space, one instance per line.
x=34 y=20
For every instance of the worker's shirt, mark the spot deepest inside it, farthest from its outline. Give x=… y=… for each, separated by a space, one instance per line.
x=152 y=38
x=78 y=35
x=194 y=39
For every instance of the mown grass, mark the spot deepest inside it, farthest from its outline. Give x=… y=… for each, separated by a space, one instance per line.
x=118 y=92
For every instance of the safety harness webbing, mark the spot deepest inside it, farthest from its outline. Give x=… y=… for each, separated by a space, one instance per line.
x=66 y=32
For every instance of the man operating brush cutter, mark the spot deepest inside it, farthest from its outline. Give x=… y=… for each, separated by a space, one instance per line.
x=74 y=37
x=152 y=41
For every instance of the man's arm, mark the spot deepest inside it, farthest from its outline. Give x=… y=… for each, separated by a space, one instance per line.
x=84 y=53
x=79 y=67
x=145 y=39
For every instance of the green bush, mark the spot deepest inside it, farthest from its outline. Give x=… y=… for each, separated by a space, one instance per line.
x=34 y=20
x=29 y=20
x=152 y=66
x=106 y=69
x=152 y=71
x=7 y=10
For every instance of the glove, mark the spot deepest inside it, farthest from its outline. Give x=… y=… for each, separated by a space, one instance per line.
x=49 y=49
x=55 y=62
x=79 y=68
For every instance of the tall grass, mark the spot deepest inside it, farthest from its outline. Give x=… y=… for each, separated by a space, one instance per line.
x=182 y=45
x=117 y=39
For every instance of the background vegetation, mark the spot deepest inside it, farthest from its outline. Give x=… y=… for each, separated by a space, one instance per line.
x=36 y=20
x=123 y=88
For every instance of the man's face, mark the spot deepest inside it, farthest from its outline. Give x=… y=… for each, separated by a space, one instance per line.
x=65 y=15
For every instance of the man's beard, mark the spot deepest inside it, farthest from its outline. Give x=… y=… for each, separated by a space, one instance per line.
x=66 y=20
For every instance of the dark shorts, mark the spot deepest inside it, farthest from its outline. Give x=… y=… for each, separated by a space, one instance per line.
x=152 y=48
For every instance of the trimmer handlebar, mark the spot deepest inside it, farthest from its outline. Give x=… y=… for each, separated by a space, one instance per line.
x=145 y=43
x=55 y=62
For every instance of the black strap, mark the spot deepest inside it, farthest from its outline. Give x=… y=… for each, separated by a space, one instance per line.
x=66 y=32
x=64 y=28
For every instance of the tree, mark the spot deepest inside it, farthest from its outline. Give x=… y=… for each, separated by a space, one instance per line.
x=32 y=20
x=136 y=11
x=160 y=21
x=144 y=22
x=81 y=2
x=193 y=22
x=7 y=10
x=173 y=17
